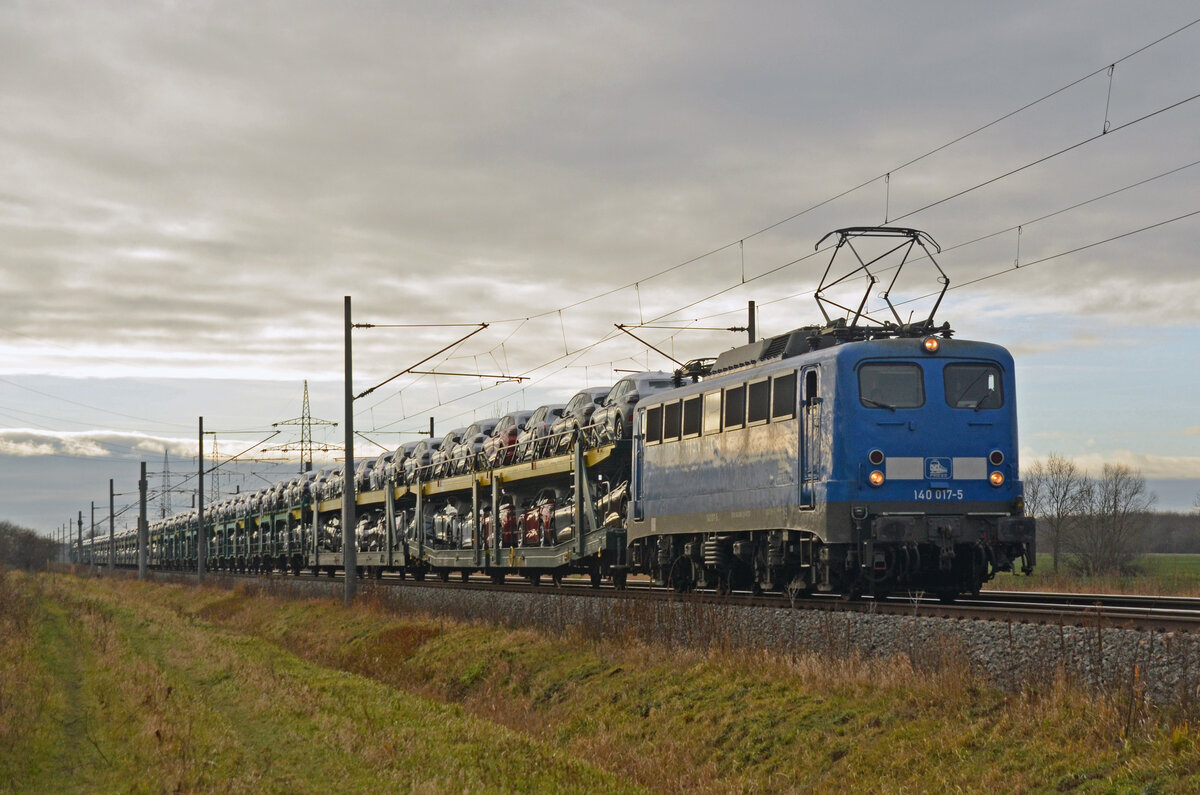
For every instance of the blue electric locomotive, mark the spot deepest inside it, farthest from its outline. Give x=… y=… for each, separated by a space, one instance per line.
x=843 y=458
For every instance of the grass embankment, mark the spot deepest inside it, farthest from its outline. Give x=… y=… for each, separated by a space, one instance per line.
x=1158 y=574
x=207 y=689
x=109 y=686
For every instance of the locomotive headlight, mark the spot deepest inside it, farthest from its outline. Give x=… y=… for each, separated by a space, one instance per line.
x=875 y=457
x=996 y=478
x=931 y=344
x=875 y=478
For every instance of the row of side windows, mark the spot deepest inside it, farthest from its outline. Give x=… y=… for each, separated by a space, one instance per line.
x=752 y=403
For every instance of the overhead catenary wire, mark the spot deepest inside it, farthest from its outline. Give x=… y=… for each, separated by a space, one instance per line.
x=611 y=335
x=992 y=180
x=1061 y=254
x=583 y=350
x=1108 y=67
x=942 y=147
x=1011 y=228
x=636 y=284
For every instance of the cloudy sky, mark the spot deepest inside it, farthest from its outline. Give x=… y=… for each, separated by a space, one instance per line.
x=189 y=189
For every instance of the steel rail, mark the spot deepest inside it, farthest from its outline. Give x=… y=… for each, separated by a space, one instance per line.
x=1117 y=611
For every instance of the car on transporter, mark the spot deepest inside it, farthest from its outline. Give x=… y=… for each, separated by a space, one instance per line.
x=575 y=417
x=537 y=428
x=500 y=448
x=611 y=420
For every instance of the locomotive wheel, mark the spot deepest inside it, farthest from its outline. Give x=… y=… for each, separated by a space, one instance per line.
x=680 y=577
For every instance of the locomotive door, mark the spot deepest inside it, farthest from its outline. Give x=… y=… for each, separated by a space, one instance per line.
x=810 y=435
x=639 y=432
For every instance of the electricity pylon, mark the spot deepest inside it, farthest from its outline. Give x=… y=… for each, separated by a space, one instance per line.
x=306 y=446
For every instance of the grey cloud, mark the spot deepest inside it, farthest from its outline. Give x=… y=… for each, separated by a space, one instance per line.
x=190 y=189
x=23 y=442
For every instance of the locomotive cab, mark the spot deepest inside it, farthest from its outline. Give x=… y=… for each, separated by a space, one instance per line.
x=924 y=489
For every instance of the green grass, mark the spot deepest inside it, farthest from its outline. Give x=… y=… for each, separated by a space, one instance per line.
x=158 y=687
x=143 y=698
x=1162 y=574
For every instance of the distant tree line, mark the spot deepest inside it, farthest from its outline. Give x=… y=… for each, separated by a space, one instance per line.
x=24 y=549
x=1173 y=532
x=1101 y=524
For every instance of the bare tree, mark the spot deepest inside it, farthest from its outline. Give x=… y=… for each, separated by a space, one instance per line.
x=1056 y=494
x=23 y=548
x=1106 y=539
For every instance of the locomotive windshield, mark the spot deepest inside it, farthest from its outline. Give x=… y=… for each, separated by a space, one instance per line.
x=973 y=386
x=894 y=385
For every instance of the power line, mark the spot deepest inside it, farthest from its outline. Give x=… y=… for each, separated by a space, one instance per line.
x=1048 y=157
x=744 y=280
x=893 y=170
x=990 y=235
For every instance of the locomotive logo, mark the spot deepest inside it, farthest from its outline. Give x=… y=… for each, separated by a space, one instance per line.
x=937 y=468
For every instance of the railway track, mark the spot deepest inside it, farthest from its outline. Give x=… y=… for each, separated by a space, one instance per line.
x=1119 y=611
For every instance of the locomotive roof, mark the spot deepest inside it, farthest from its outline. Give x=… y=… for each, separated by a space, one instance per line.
x=814 y=338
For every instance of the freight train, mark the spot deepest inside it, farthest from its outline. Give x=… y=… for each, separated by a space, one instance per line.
x=852 y=457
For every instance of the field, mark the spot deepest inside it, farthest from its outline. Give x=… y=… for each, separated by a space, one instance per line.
x=1165 y=575
x=114 y=685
